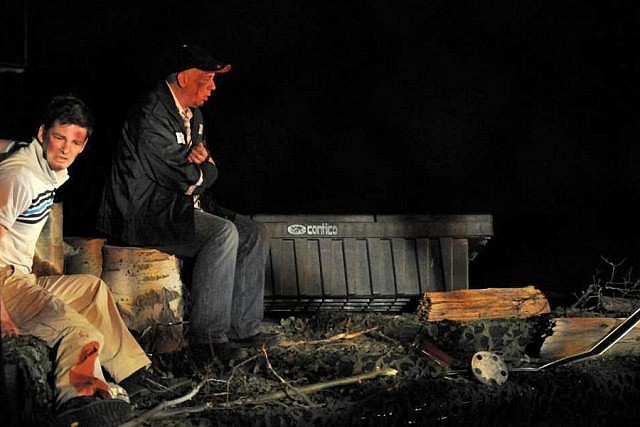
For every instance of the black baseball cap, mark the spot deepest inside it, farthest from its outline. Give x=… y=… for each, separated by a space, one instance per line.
x=188 y=56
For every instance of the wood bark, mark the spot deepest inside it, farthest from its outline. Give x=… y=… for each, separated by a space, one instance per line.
x=573 y=335
x=84 y=256
x=148 y=290
x=48 y=259
x=479 y=304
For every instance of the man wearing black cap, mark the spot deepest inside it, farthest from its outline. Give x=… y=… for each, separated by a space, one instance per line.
x=160 y=169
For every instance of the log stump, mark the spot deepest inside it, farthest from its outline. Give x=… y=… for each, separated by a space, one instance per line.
x=148 y=291
x=84 y=256
x=48 y=259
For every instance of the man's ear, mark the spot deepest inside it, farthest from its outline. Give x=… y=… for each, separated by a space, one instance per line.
x=86 y=141
x=41 y=134
x=181 y=79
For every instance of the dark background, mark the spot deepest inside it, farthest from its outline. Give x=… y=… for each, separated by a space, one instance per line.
x=526 y=110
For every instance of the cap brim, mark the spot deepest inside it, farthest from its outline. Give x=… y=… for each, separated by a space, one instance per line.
x=217 y=67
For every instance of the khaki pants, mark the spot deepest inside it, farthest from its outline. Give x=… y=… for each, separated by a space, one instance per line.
x=78 y=312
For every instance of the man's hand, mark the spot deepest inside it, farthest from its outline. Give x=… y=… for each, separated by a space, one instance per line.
x=7 y=325
x=198 y=154
x=9 y=328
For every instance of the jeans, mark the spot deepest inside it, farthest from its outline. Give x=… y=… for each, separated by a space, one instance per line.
x=227 y=277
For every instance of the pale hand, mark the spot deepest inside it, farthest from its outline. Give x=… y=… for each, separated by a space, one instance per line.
x=198 y=154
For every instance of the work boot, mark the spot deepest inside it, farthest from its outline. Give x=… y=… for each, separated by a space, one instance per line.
x=226 y=352
x=261 y=339
x=146 y=388
x=229 y=352
x=92 y=411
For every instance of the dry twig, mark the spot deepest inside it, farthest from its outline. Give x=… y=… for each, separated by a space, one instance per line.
x=597 y=294
x=311 y=388
x=342 y=336
x=163 y=410
x=162 y=406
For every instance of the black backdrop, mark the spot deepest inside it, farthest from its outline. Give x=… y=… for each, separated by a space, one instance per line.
x=524 y=110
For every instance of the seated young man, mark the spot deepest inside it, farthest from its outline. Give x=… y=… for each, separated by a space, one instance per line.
x=75 y=314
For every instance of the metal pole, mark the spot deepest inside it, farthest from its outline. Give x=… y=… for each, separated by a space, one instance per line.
x=601 y=346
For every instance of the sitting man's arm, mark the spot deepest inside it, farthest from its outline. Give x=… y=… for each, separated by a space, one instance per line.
x=6 y=324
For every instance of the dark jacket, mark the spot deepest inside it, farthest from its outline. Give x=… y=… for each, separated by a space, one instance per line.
x=144 y=201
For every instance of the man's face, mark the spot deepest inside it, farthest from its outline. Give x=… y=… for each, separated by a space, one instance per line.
x=199 y=86
x=62 y=144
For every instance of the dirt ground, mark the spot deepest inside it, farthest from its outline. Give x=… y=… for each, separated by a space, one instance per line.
x=341 y=368
x=368 y=369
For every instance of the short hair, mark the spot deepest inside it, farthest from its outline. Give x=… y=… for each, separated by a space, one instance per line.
x=172 y=78
x=67 y=110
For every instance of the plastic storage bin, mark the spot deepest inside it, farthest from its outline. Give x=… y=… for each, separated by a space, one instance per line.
x=367 y=262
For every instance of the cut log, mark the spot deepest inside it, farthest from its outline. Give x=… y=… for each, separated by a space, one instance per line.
x=478 y=304
x=48 y=259
x=85 y=256
x=148 y=290
x=573 y=335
